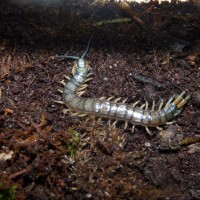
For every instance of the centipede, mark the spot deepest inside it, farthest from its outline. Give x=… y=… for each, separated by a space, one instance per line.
x=114 y=110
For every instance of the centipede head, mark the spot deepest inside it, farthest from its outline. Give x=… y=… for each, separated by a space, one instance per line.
x=80 y=59
x=81 y=63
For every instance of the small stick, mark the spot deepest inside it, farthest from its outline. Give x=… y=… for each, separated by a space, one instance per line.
x=144 y=79
x=195 y=81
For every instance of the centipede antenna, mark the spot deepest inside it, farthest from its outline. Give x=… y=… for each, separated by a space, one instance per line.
x=148 y=131
x=85 y=52
x=71 y=57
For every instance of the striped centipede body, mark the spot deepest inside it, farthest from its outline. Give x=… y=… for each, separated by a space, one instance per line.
x=114 y=110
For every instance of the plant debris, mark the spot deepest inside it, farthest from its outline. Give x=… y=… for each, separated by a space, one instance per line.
x=46 y=154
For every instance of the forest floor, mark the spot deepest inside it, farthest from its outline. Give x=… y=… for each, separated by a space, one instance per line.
x=46 y=154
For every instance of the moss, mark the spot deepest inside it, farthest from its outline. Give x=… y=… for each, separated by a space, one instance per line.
x=7 y=194
x=74 y=143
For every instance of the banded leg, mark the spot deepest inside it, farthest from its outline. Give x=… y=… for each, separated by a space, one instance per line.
x=180 y=101
x=183 y=101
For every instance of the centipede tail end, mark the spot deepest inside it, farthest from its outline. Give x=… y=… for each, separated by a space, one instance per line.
x=180 y=102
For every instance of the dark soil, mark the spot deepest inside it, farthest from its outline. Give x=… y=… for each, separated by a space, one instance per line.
x=50 y=155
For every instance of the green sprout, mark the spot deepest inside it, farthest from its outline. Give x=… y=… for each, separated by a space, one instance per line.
x=74 y=143
x=7 y=194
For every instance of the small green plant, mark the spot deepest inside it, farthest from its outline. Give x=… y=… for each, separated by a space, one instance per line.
x=74 y=143
x=7 y=194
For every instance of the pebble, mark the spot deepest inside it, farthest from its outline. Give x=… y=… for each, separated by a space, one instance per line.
x=147 y=144
x=105 y=79
x=194 y=148
x=25 y=121
x=169 y=139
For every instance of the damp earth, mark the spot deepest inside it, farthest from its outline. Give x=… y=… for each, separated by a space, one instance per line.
x=150 y=53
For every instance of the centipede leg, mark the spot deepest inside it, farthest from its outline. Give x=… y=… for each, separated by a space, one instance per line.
x=148 y=131
x=81 y=90
x=161 y=105
x=169 y=123
x=109 y=122
x=80 y=93
x=179 y=98
x=159 y=128
x=169 y=102
x=114 y=124
x=118 y=99
x=178 y=112
x=146 y=104
x=82 y=87
x=125 y=125
x=60 y=102
x=61 y=91
x=153 y=106
x=124 y=101
x=180 y=101
x=82 y=115
x=134 y=104
x=74 y=69
x=103 y=98
x=88 y=79
x=62 y=82
x=183 y=102
x=110 y=98
x=67 y=77
x=133 y=128
x=142 y=106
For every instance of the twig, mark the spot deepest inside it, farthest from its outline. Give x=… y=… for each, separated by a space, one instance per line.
x=12 y=176
x=144 y=79
x=195 y=81
x=31 y=83
x=112 y=21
